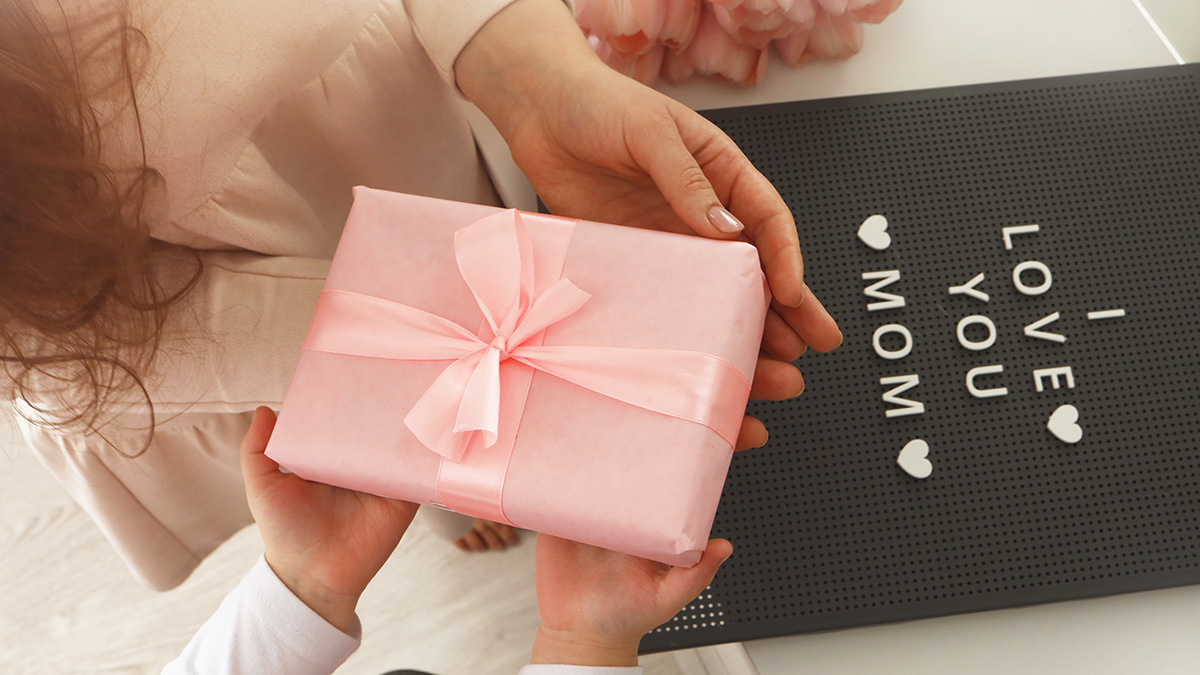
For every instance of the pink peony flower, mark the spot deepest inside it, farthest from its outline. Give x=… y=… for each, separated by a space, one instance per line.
x=728 y=38
x=835 y=37
x=791 y=48
x=714 y=52
x=802 y=13
x=830 y=37
x=633 y=26
x=680 y=26
x=833 y=7
x=643 y=67
x=749 y=26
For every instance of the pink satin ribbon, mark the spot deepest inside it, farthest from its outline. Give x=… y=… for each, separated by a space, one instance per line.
x=462 y=408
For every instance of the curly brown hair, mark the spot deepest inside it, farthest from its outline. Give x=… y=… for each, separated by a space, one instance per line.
x=81 y=308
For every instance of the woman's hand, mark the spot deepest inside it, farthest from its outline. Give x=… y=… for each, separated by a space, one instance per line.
x=324 y=543
x=599 y=146
x=595 y=605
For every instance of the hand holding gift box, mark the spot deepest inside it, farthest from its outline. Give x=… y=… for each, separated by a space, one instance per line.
x=575 y=378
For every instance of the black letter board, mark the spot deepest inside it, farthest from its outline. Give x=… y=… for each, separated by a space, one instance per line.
x=1078 y=201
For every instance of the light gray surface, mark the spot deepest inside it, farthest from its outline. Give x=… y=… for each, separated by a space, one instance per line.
x=941 y=43
x=1180 y=22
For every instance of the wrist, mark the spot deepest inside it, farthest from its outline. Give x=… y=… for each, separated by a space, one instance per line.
x=335 y=608
x=558 y=647
x=513 y=58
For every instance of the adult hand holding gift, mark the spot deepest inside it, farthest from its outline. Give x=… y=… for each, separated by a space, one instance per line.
x=637 y=382
x=599 y=146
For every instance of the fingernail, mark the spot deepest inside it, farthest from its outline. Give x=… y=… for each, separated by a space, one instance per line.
x=765 y=440
x=724 y=220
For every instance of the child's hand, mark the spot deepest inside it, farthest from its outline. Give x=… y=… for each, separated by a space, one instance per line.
x=595 y=605
x=324 y=543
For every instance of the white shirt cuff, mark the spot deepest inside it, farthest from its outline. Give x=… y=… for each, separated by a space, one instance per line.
x=542 y=669
x=304 y=631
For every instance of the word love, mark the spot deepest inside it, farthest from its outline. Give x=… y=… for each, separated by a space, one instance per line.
x=1030 y=278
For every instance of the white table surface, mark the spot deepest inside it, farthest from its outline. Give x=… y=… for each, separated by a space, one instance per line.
x=940 y=43
x=936 y=43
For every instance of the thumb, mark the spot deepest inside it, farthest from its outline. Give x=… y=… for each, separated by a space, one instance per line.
x=684 y=584
x=257 y=468
x=663 y=154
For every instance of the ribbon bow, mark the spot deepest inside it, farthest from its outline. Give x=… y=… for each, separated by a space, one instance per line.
x=496 y=259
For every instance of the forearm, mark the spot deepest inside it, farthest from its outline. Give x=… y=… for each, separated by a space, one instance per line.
x=512 y=58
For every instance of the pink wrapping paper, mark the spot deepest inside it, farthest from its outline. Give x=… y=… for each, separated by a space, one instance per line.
x=583 y=465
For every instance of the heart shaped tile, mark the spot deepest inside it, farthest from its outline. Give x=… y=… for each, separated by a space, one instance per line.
x=914 y=459
x=873 y=232
x=1064 y=424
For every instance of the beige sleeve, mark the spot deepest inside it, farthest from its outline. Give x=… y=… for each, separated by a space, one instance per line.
x=444 y=27
x=229 y=347
x=162 y=511
x=234 y=342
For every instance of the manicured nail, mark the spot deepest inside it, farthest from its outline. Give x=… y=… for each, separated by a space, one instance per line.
x=765 y=440
x=724 y=220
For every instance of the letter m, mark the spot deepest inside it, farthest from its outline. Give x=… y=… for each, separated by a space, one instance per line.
x=892 y=396
x=887 y=300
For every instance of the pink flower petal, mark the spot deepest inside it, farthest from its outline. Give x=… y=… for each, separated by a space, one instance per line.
x=642 y=67
x=791 y=48
x=803 y=12
x=833 y=7
x=714 y=52
x=835 y=37
x=875 y=12
x=761 y=6
x=680 y=22
x=751 y=28
x=677 y=67
x=631 y=26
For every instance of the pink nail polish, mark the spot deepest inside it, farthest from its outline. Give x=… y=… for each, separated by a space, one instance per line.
x=724 y=220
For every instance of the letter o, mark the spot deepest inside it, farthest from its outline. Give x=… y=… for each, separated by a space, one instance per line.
x=1032 y=265
x=892 y=354
x=971 y=344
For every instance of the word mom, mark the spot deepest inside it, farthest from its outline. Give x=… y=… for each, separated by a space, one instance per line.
x=903 y=383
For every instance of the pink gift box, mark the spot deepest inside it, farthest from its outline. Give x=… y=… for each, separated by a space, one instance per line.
x=604 y=413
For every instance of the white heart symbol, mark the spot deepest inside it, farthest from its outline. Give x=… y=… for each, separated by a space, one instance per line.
x=913 y=459
x=1063 y=424
x=873 y=233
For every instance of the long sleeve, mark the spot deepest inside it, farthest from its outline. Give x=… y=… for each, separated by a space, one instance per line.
x=234 y=342
x=444 y=27
x=230 y=346
x=262 y=628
